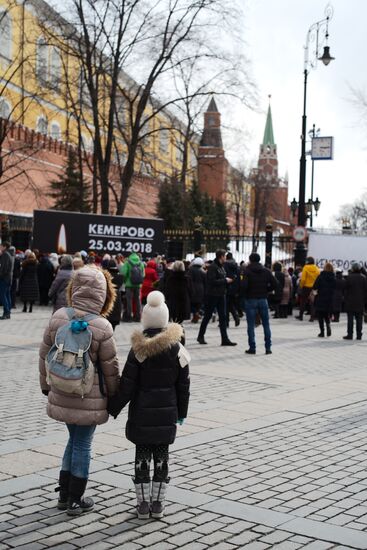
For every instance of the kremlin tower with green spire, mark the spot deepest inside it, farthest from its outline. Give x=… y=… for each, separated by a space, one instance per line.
x=274 y=189
x=268 y=159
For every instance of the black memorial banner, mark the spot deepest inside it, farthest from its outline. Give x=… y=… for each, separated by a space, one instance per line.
x=55 y=231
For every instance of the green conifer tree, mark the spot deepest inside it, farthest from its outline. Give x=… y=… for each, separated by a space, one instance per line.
x=195 y=203
x=70 y=192
x=220 y=215
x=171 y=206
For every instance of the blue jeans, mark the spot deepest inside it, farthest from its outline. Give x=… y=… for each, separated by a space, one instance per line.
x=252 y=307
x=77 y=453
x=5 y=296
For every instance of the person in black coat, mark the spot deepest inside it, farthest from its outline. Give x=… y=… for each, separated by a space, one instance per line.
x=6 y=271
x=216 y=288
x=28 y=282
x=177 y=292
x=46 y=275
x=338 y=296
x=325 y=288
x=355 y=298
x=197 y=276
x=156 y=382
x=15 y=280
x=233 y=273
x=276 y=297
x=117 y=280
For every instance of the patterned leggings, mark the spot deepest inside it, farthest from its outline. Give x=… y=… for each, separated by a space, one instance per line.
x=143 y=457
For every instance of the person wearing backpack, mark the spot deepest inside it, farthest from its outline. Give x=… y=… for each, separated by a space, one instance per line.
x=156 y=382
x=133 y=273
x=78 y=370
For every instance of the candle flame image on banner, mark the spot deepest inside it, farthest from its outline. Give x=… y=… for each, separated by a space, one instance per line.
x=61 y=242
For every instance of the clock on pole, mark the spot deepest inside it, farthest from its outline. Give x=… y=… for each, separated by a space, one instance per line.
x=322 y=148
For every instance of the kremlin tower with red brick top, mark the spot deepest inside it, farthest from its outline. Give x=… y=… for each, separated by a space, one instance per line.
x=212 y=164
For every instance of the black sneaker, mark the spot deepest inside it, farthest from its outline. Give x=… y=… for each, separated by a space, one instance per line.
x=251 y=351
x=347 y=337
x=268 y=352
x=201 y=340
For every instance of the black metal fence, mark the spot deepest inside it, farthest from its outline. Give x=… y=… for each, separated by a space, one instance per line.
x=272 y=248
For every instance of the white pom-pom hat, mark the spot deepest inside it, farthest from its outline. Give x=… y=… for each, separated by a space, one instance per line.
x=155 y=312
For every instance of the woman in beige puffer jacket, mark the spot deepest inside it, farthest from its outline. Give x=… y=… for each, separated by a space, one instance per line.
x=90 y=291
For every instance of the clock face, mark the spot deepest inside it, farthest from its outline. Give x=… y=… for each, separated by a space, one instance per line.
x=211 y=120
x=322 y=148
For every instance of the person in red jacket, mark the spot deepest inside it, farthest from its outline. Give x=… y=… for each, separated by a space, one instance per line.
x=151 y=277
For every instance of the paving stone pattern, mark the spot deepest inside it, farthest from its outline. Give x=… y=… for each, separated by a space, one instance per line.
x=273 y=454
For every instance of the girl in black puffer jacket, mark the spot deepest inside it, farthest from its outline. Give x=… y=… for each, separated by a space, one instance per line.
x=156 y=381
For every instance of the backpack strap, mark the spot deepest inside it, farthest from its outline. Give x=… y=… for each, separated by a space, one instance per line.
x=89 y=317
x=70 y=312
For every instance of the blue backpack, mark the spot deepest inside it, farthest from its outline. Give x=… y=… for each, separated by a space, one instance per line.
x=68 y=365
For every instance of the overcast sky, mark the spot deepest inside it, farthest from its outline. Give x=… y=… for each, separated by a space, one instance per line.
x=276 y=34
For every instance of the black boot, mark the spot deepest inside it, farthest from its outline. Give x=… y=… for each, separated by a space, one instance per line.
x=76 y=503
x=63 y=489
x=30 y=307
x=228 y=343
x=25 y=307
x=328 y=330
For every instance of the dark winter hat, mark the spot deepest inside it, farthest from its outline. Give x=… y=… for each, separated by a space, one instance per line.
x=112 y=265
x=310 y=260
x=254 y=257
x=356 y=267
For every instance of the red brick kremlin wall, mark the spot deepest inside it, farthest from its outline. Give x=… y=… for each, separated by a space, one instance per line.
x=32 y=161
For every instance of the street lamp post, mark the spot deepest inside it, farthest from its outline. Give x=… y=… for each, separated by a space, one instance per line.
x=310 y=206
x=300 y=252
x=313 y=133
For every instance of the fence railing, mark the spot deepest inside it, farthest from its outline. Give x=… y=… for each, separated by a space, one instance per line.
x=185 y=243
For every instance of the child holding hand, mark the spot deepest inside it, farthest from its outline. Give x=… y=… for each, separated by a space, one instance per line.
x=156 y=382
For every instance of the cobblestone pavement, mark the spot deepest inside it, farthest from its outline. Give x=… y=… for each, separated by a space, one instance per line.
x=273 y=454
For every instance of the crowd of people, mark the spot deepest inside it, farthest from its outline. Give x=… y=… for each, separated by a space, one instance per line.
x=91 y=295
x=195 y=290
